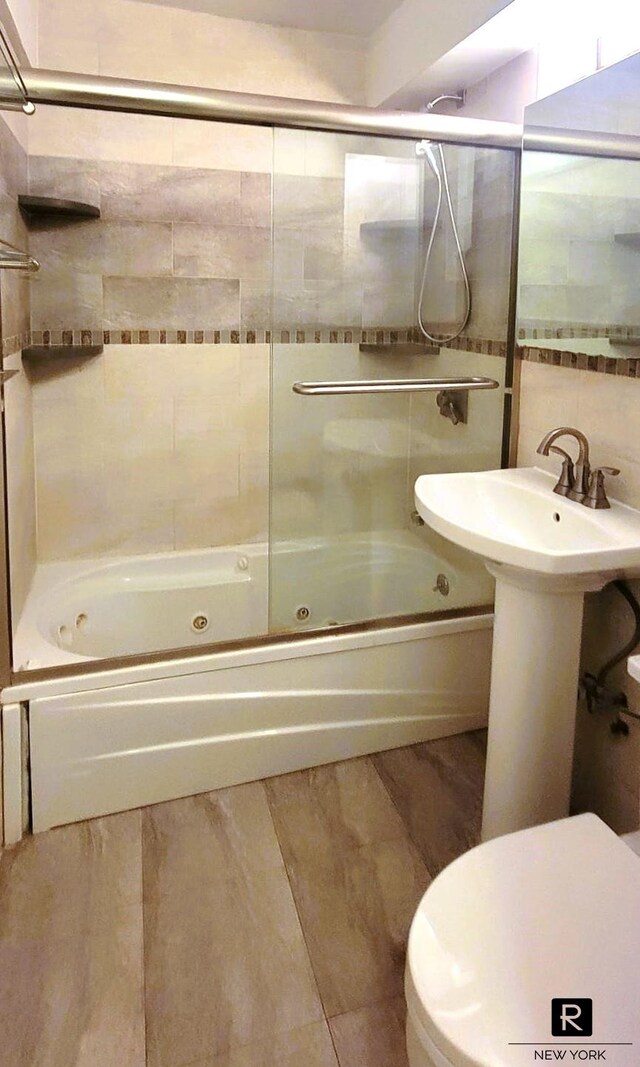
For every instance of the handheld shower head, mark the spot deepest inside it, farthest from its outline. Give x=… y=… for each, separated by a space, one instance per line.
x=424 y=150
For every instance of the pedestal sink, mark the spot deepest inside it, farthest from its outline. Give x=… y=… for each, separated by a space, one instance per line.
x=545 y=553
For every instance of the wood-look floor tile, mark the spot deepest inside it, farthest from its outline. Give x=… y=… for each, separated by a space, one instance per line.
x=437 y=787
x=372 y=1037
x=226 y=964
x=309 y=1047
x=356 y=877
x=71 y=959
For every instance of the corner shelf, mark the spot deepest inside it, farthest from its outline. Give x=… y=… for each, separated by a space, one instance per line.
x=41 y=206
x=400 y=348
x=632 y=240
x=49 y=353
x=390 y=226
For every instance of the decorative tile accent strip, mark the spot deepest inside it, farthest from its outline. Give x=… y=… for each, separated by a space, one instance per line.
x=11 y=345
x=625 y=368
x=282 y=335
x=533 y=329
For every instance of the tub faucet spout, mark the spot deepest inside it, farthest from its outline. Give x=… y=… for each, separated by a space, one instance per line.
x=582 y=469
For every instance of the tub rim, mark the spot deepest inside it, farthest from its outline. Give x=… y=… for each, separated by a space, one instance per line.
x=150 y=666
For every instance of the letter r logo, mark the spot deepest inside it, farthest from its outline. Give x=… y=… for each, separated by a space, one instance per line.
x=571 y=1017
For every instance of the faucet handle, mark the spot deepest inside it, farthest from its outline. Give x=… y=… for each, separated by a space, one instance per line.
x=565 y=482
x=596 y=495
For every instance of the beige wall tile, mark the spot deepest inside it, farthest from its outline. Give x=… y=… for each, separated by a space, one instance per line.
x=222 y=146
x=255 y=305
x=105 y=247
x=16 y=301
x=68 y=36
x=255 y=197
x=73 y=179
x=172 y=370
x=64 y=299
x=178 y=303
x=548 y=396
x=223 y=251
x=302 y=203
x=135 y=525
x=169 y=194
x=147 y=448
x=207 y=450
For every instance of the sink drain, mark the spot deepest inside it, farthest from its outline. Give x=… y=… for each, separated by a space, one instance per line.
x=199 y=623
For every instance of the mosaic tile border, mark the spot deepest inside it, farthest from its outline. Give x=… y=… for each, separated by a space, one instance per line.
x=622 y=368
x=283 y=335
x=527 y=331
x=11 y=345
x=290 y=335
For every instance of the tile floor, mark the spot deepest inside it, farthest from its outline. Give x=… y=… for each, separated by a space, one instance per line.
x=259 y=926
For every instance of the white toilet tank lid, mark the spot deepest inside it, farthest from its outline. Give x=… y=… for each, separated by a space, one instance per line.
x=547 y=913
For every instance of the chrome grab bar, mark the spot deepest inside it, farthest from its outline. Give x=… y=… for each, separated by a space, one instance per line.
x=394 y=385
x=14 y=260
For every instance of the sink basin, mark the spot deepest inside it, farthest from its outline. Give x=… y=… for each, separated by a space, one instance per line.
x=545 y=552
x=514 y=517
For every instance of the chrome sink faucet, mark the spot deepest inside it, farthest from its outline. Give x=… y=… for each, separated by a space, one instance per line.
x=577 y=481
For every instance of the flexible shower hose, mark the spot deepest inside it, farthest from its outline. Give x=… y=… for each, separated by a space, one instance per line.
x=442 y=179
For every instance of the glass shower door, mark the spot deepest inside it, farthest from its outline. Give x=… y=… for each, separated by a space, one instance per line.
x=352 y=218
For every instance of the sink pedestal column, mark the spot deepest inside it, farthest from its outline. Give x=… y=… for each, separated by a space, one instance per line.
x=532 y=710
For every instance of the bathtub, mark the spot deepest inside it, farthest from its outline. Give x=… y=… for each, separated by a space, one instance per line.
x=109 y=608
x=102 y=739
x=103 y=609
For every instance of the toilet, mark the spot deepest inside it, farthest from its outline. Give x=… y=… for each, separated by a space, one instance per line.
x=549 y=913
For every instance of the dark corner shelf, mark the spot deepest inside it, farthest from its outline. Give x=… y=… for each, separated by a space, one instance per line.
x=401 y=348
x=49 y=353
x=630 y=239
x=390 y=226
x=40 y=206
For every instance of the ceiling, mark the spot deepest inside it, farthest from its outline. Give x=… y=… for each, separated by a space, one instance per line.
x=360 y=17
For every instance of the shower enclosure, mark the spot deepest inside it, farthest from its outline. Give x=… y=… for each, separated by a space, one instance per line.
x=220 y=405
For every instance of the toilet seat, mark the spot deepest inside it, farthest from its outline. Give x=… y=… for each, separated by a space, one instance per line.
x=544 y=913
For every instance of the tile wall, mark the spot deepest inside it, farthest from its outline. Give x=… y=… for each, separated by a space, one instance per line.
x=175 y=280
x=176 y=248
x=151 y=448
x=482 y=183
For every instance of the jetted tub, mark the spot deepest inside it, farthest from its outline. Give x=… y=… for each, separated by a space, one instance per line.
x=102 y=609
x=127 y=735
